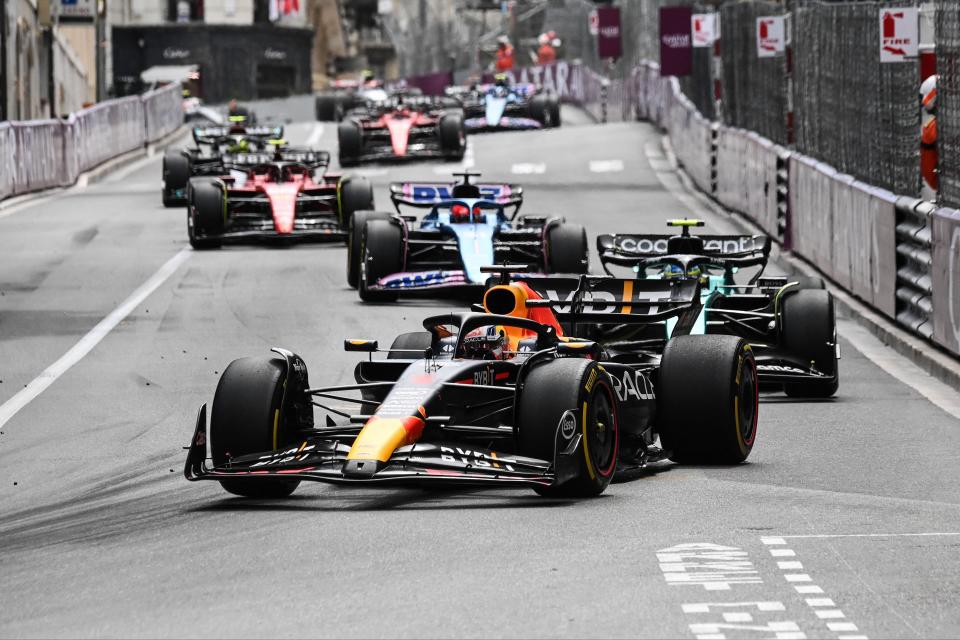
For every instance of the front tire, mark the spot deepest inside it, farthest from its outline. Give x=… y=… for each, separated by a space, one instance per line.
x=809 y=330
x=566 y=249
x=206 y=213
x=452 y=136
x=580 y=387
x=176 y=174
x=355 y=240
x=350 y=143
x=355 y=193
x=246 y=419
x=382 y=251
x=707 y=399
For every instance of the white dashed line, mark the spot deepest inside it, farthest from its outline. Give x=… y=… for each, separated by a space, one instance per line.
x=527 y=168
x=797 y=577
x=782 y=553
x=808 y=588
x=315 y=135
x=790 y=564
x=606 y=166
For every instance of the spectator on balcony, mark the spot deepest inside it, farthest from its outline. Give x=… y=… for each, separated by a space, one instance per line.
x=504 y=56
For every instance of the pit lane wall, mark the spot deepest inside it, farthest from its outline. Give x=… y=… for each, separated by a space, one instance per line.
x=40 y=154
x=898 y=254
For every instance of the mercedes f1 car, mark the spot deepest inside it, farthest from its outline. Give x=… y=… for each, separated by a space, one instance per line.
x=344 y=95
x=399 y=128
x=206 y=158
x=283 y=193
x=789 y=322
x=495 y=400
x=467 y=227
x=500 y=106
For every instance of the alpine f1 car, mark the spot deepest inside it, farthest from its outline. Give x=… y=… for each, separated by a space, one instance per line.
x=399 y=128
x=467 y=227
x=283 y=193
x=789 y=322
x=500 y=106
x=495 y=400
x=206 y=158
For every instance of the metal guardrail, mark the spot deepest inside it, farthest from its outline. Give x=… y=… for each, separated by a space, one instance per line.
x=914 y=264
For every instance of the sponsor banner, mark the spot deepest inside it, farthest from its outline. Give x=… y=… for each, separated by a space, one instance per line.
x=946 y=278
x=771 y=36
x=676 y=47
x=74 y=10
x=608 y=32
x=703 y=29
x=566 y=79
x=899 y=34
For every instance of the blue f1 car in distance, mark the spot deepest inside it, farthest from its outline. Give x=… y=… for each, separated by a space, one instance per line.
x=501 y=106
x=467 y=226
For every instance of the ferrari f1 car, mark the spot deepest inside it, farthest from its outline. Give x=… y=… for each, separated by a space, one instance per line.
x=399 y=128
x=283 y=193
x=467 y=227
x=493 y=400
x=789 y=322
x=500 y=106
x=206 y=158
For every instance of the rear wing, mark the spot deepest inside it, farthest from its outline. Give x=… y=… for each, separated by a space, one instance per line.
x=307 y=157
x=614 y=300
x=641 y=249
x=211 y=135
x=428 y=194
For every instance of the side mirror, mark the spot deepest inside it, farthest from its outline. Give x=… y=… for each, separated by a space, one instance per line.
x=362 y=346
x=578 y=348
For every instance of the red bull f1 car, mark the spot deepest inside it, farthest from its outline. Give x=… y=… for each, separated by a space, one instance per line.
x=285 y=193
x=789 y=322
x=467 y=226
x=206 y=158
x=401 y=128
x=496 y=400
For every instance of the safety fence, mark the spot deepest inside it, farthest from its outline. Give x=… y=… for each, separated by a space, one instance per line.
x=948 y=99
x=40 y=154
x=900 y=255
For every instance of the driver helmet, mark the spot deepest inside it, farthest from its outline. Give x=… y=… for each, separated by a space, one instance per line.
x=459 y=212
x=239 y=146
x=500 y=80
x=485 y=343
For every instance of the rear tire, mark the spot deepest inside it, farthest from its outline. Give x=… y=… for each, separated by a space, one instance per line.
x=416 y=341
x=382 y=251
x=809 y=330
x=245 y=419
x=707 y=399
x=350 y=142
x=452 y=136
x=539 y=109
x=577 y=385
x=553 y=108
x=327 y=107
x=355 y=239
x=356 y=193
x=206 y=213
x=176 y=174
x=566 y=250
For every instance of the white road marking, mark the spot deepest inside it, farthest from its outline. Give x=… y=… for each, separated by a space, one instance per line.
x=797 y=577
x=93 y=337
x=871 y=535
x=937 y=392
x=790 y=565
x=807 y=588
x=369 y=172
x=737 y=616
x=772 y=541
x=782 y=553
x=464 y=165
x=606 y=166
x=315 y=135
x=711 y=566
x=526 y=168
x=820 y=602
x=832 y=614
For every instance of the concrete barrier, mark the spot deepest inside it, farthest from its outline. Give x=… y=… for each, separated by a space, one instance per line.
x=945 y=282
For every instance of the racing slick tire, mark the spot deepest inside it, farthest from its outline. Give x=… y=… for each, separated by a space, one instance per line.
x=205 y=214
x=354 y=193
x=539 y=109
x=327 y=107
x=809 y=330
x=176 y=174
x=553 y=108
x=808 y=282
x=245 y=419
x=707 y=399
x=354 y=240
x=567 y=389
x=566 y=249
x=452 y=136
x=382 y=250
x=350 y=142
x=410 y=346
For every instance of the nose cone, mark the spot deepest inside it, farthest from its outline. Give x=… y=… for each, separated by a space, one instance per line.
x=399 y=128
x=494 y=111
x=283 y=203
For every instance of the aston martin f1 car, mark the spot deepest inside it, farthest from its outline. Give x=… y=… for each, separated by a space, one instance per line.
x=467 y=227
x=399 y=128
x=206 y=157
x=500 y=106
x=283 y=193
x=495 y=400
x=789 y=322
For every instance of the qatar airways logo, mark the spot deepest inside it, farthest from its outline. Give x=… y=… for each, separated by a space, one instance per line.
x=677 y=40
